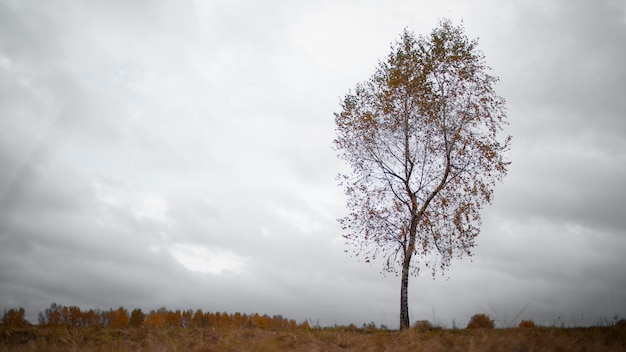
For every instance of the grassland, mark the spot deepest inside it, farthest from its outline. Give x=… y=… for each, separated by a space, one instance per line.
x=205 y=339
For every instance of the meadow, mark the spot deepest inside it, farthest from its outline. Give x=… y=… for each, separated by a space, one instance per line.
x=164 y=330
x=264 y=333
x=314 y=339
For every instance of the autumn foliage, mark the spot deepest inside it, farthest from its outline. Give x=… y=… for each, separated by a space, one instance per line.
x=526 y=324
x=480 y=321
x=72 y=329
x=15 y=318
x=422 y=139
x=423 y=326
x=72 y=316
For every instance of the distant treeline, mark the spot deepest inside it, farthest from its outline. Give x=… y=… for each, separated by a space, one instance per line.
x=73 y=316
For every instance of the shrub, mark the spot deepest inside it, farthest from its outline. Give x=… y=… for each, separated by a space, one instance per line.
x=423 y=326
x=351 y=328
x=480 y=321
x=525 y=324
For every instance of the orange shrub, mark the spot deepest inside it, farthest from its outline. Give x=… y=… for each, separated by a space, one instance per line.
x=526 y=324
x=480 y=321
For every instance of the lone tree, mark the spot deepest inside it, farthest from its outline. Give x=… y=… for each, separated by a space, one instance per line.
x=421 y=139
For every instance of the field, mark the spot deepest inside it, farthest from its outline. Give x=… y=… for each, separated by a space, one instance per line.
x=205 y=339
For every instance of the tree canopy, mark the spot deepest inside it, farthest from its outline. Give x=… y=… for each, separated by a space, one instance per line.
x=421 y=137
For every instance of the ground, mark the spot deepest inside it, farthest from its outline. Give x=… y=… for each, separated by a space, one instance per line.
x=205 y=339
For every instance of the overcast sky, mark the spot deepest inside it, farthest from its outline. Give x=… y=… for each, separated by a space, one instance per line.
x=179 y=154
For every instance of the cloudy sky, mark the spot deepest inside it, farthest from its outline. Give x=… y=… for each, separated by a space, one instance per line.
x=179 y=154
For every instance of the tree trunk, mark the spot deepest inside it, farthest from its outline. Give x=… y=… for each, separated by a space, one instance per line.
x=404 y=291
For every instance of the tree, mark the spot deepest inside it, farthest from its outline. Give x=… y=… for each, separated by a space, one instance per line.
x=76 y=316
x=186 y=316
x=155 y=319
x=136 y=317
x=92 y=318
x=199 y=319
x=14 y=318
x=119 y=317
x=52 y=315
x=421 y=137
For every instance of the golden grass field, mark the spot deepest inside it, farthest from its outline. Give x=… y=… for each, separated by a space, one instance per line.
x=205 y=339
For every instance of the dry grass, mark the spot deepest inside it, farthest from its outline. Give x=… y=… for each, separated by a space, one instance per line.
x=338 y=339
